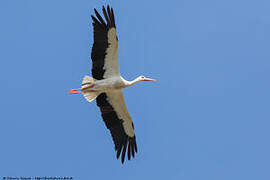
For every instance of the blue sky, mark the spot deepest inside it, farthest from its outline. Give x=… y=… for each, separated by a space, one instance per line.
x=206 y=118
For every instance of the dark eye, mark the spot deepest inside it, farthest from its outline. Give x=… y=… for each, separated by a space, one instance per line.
x=143 y=77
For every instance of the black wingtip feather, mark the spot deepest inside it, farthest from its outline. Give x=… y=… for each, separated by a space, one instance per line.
x=106 y=16
x=96 y=12
x=94 y=19
x=110 y=15
x=118 y=154
x=100 y=18
x=132 y=151
x=109 y=11
x=113 y=20
x=124 y=152
x=135 y=146
x=129 y=150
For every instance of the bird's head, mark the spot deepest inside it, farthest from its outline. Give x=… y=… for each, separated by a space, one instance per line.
x=139 y=79
x=143 y=78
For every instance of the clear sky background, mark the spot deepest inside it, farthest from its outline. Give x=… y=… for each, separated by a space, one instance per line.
x=206 y=118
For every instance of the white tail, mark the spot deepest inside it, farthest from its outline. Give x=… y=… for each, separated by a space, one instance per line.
x=89 y=96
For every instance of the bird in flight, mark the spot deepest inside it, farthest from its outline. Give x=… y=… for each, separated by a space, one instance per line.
x=106 y=85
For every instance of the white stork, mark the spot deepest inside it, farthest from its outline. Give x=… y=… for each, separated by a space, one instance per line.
x=106 y=85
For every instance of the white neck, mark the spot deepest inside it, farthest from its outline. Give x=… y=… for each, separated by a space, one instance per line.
x=130 y=83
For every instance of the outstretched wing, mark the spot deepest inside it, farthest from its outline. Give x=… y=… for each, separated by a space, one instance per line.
x=105 y=48
x=117 y=119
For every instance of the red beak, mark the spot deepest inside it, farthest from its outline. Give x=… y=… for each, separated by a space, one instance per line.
x=149 y=79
